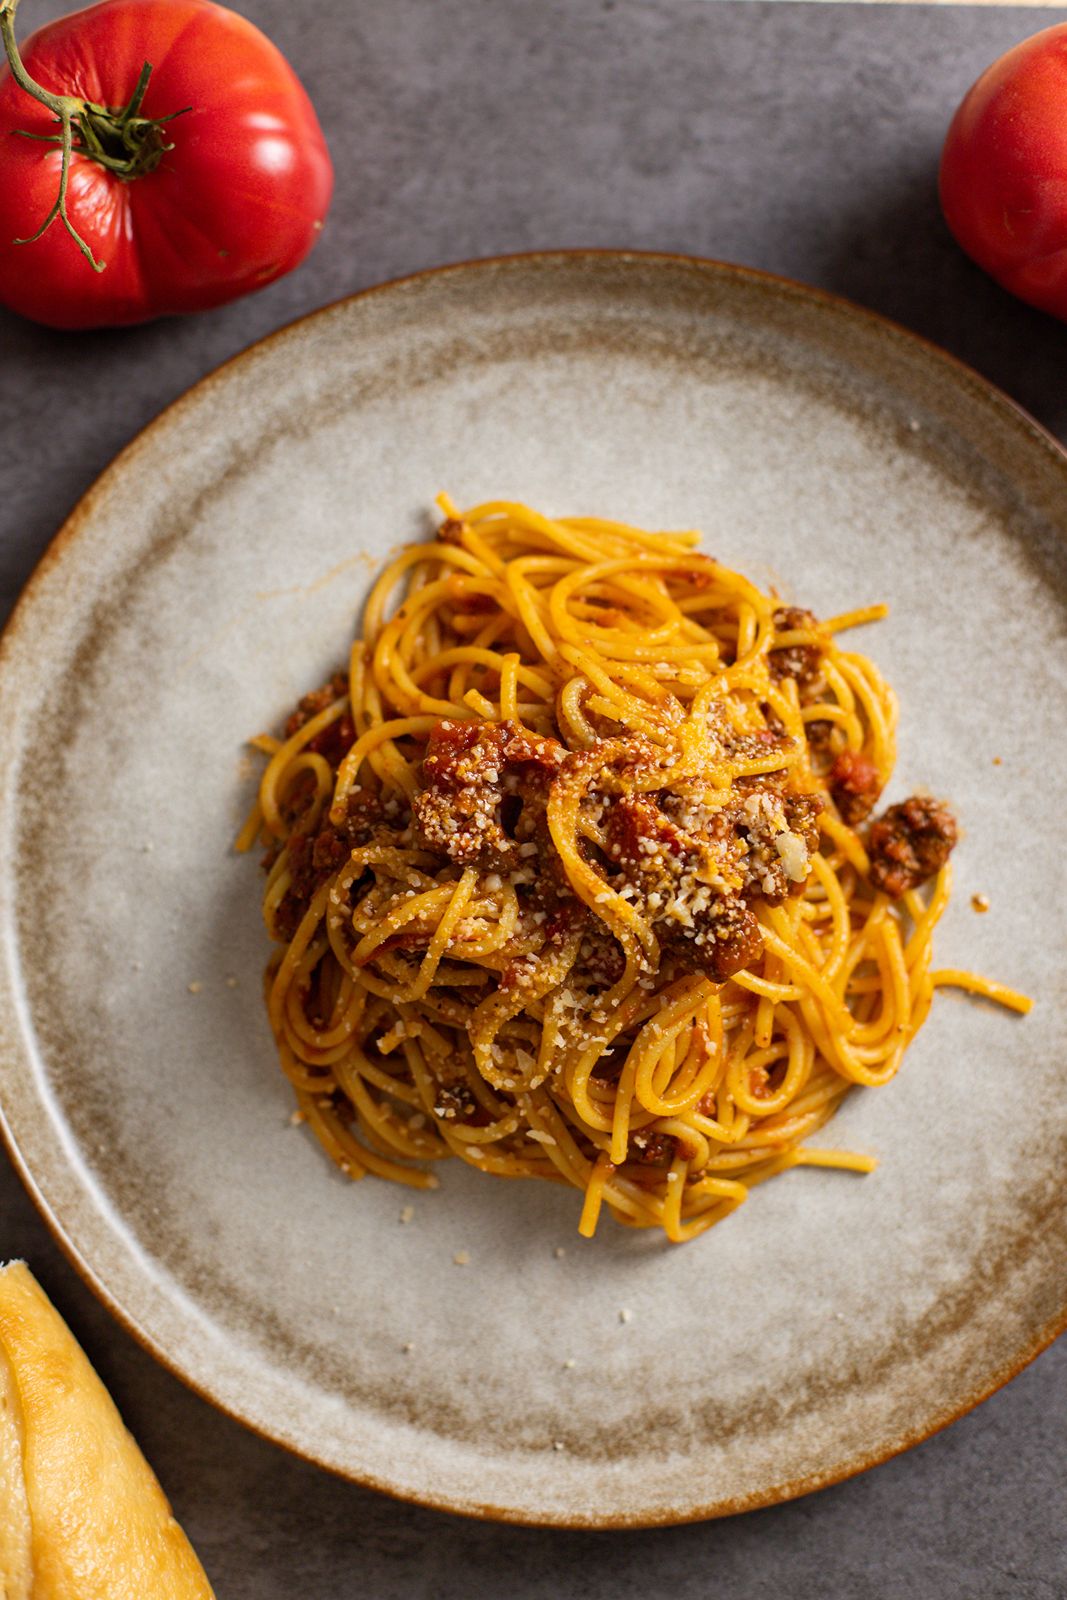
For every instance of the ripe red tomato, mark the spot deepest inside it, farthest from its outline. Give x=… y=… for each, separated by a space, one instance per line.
x=179 y=214
x=1004 y=171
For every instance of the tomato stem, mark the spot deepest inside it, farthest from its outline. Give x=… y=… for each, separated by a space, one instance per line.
x=137 y=96
x=120 y=139
x=64 y=109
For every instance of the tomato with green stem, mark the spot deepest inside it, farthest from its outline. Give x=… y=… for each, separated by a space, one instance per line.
x=156 y=156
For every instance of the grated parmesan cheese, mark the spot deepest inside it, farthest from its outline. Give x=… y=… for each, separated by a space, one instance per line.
x=794 y=854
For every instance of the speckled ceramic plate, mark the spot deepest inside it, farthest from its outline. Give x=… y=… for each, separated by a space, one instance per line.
x=213 y=575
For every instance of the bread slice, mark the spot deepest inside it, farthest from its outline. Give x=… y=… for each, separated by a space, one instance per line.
x=82 y=1515
x=16 y=1553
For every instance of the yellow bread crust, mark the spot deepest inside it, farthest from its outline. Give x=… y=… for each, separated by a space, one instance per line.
x=101 y=1528
x=16 y=1550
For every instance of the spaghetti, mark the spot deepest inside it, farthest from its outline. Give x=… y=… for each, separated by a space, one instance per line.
x=571 y=877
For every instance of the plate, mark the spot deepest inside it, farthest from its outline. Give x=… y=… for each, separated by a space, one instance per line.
x=213 y=575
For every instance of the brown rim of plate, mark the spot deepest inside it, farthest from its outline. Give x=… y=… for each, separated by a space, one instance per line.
x=774 y=284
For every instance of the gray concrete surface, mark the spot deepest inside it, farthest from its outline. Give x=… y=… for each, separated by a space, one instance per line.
x=799 y=138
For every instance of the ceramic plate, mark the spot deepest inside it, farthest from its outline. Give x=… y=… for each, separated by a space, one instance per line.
x=213 y=575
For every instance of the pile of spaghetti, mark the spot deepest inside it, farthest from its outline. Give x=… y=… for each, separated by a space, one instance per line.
x=571 y=874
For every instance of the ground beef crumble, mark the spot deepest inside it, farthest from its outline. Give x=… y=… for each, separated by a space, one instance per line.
x=478 y=779
x=800 y=661
x=910 y=843
x=336 y=738
x=316 y=854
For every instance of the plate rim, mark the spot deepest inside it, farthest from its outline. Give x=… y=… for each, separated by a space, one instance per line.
x=824 y=301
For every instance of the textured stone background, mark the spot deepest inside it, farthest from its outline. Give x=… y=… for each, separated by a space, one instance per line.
x=798 y=138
